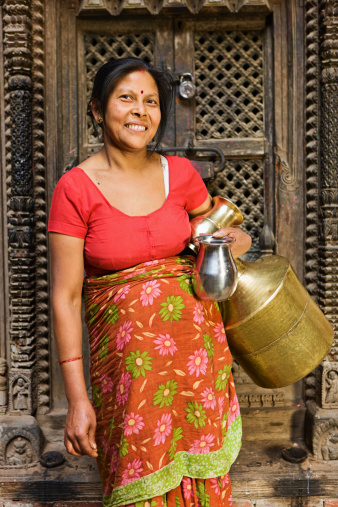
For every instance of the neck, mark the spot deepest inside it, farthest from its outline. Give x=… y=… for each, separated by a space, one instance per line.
x=122 y=160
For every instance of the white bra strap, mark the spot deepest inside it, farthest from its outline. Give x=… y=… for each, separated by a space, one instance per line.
x=165 y=167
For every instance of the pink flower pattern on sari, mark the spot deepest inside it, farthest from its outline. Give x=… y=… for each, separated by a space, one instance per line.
x=198 y=313
x=96 y=340
x=106 y=383
x=114 y=459
x=208 y=398
x=122 y=389
x=133 y=423
x=132 y=473
x=150 y=291
x=220 y=332
x=165 y=344
x=202 y=445
x=233 y=410
x=198 y=362
x=121 y=293
x=219 y=482
x=163 y=429
x=220 y=402
x=187 y=488
x=124 y=336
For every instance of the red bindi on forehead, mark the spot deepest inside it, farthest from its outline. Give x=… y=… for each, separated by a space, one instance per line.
x=141 y=91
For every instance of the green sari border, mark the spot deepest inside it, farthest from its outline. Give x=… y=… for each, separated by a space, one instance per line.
x=196 y=466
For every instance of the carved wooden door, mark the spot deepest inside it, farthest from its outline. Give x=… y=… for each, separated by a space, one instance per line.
x=245 y=105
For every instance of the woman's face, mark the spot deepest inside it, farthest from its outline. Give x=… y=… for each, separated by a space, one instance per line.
x=133 y=112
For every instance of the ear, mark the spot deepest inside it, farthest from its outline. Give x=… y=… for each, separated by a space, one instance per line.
x=96 y=110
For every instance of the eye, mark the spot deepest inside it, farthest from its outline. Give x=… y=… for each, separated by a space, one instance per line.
x=126 y=96
x=153 y=101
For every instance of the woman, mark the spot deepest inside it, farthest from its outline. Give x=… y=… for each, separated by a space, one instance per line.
x=165 y=423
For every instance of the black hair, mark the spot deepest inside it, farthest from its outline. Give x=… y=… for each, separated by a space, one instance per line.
x=110 y=74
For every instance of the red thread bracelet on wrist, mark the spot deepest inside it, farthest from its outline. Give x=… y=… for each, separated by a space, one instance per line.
x=69 y=360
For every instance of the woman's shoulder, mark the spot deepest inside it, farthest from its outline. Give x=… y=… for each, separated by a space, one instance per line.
x=181 y=166
x=177 y=161
x=72 y=187
x=71 y=176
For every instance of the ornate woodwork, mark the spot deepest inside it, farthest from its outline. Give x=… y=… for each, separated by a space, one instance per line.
x=241 y=182
x=322 y=386
x=40 y=208
x=328 y=232
x=312 y=146
x=115 y=7
x=312 y=167
x=17 y=29
x=229 y=79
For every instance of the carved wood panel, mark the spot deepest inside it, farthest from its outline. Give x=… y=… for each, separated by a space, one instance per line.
x=229 y=80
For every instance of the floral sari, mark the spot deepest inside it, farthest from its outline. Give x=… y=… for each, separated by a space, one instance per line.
x=166 y=408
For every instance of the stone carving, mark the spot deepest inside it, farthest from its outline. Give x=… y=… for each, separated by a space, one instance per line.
x=330 y=448
x=329 y=383
x=3 y=386
x=321 y=433
x=332 y=387
x=21 y=440
x=40 y=208
x=326 y=440
x=22 y=397
x=17 y=41
x=20 y=394
x=19 y=452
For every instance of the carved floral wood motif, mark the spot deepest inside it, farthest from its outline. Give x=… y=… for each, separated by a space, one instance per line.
x=24 y=373
x=115 y=7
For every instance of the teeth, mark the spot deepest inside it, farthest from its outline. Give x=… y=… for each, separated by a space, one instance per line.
x=136 y=127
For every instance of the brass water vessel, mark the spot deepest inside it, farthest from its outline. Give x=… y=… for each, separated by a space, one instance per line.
x=223 y=213
x=275 y=330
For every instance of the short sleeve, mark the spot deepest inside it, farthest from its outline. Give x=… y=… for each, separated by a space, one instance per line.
x=196 y=192
x=66 y=215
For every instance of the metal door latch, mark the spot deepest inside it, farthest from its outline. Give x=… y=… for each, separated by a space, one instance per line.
x=191 y=150
x=187 y=87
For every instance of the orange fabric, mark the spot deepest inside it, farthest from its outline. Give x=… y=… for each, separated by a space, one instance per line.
x=162 y=384
x=194 y=493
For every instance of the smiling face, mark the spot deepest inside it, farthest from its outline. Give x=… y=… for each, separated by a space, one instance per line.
x=133 y=112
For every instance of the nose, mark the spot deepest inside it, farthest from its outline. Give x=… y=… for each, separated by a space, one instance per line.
x=139 y=108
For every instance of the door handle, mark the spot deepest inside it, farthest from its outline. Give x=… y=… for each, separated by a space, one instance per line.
x=191 y=150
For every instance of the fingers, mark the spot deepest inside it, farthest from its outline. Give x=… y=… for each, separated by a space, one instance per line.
x=81 y=441
x=80 y=429
x=91 y=439
x=70 y=447
x=229 y=231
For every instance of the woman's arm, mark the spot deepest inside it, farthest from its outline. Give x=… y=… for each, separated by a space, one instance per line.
x=243 y=240
x=67 y=279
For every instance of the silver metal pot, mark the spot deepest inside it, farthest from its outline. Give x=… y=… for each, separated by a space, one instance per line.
x=215 y=274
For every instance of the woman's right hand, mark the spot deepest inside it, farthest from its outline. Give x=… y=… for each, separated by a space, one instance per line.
x=80 y=429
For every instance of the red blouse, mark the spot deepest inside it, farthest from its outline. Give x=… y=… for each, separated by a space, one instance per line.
x=114 y=240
